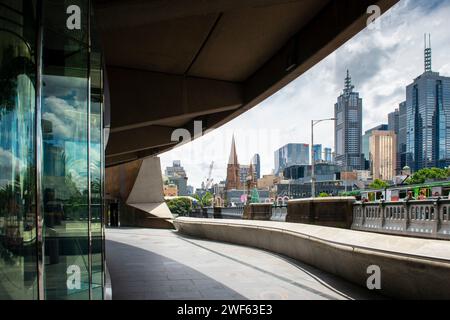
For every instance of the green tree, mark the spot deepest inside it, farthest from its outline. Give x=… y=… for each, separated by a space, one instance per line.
x=204 y=200
x=180 y=206
x=254 y=197
x=378 y=184
x=428 y=174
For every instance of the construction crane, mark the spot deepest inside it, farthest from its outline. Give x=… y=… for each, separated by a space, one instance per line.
x=209 y=180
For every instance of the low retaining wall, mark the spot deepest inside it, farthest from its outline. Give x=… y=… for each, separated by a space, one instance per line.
x=410 y=268
x=331 y=212
x=258 y=211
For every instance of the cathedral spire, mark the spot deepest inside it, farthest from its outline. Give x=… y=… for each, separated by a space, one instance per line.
x=233 y=155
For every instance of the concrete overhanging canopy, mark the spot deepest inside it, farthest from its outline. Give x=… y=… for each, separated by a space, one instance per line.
x=169 y=63
x=147 y=192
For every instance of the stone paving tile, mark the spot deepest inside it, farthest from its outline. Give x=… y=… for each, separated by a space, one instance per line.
x=161 y=264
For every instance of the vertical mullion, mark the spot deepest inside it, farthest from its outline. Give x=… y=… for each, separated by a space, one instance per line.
x=40 y=245
x=89 y=149
x=102 y=179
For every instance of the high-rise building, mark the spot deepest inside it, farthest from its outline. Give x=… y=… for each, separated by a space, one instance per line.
x=317 y=151
x=175 y=170
x=401 y=137
x=428 y=119
x=291 y=154
x=393 y=121
x=366 y=140
x=383 y=154
x=243 y=173
x=256 y=161
x=348 y=128
x=327 y=155
x=177 y=176
x=233 y=169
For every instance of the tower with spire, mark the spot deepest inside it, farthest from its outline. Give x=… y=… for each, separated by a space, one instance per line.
x=427 y=137
x=233 y=169
x=348 y=128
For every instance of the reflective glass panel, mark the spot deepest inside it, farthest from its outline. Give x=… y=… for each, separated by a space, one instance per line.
x=18 y=271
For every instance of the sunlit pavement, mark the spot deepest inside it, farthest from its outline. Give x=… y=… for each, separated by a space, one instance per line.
x=162 y=264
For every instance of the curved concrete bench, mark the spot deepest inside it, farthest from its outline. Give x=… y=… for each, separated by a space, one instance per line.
x=411 y=268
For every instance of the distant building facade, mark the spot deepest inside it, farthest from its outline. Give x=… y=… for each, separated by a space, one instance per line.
x=256 y=161
x=401 y=137
x=170 y=190
x=348 y=128
x=328 y=155
x=177 y=176
x=365 y=142
x=297 y=190
x=428 y=119
x=317 y=152
x=291 y=154
x=322 y=171
x=383 y=154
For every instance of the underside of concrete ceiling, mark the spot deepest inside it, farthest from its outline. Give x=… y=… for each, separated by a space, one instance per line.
x=169 y=63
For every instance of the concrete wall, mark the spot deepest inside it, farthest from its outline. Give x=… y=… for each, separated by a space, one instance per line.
x=138 y=188
x=258 y=211
x=410 y=268
x=332 y=212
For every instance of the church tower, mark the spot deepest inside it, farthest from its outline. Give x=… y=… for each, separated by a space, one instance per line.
x=233 y=171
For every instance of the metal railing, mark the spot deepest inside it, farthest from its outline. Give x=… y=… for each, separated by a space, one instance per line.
x=424 y=218
x=279 y=213
x=232 y=212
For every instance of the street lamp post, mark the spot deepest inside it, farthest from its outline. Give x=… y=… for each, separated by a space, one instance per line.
x=313 y=176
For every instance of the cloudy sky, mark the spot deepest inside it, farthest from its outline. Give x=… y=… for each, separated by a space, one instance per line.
x=382 y=62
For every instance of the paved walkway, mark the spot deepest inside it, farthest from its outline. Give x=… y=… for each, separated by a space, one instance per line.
x=162 y=264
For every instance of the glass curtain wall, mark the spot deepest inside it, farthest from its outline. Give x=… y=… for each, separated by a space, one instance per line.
x=18 y=268
x=51 y=152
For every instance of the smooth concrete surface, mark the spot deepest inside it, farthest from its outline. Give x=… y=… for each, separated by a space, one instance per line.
x=147 y=193
x=164 y=264
x=410 y=267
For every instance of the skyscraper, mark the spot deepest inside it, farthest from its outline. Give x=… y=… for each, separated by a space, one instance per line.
x=366 y=142
x=177 y=176
x=348 y=128
x=233 y=171
x=291 y=154
x=317 y=151
x=428 y=118
x=393 y=121
x=382 y=154
x=256 y=161
x=401 y=137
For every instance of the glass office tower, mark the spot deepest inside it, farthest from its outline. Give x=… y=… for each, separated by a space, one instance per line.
x=51 y=151
x=291 y=154
x=348 y=128
x=428 y=121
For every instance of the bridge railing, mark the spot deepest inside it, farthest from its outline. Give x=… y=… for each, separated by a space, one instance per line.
x=279 y=213
x=425 y=218
x=232 y=212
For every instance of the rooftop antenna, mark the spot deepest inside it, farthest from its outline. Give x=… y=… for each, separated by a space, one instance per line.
x=427 y=52
x=348 y=83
